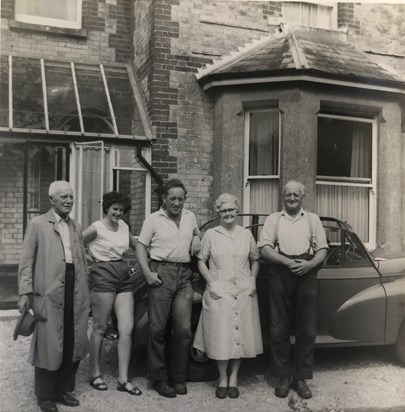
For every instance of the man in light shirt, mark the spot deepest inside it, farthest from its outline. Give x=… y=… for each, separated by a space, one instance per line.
x=294 y=242
x=170 y=235
x=52 y=278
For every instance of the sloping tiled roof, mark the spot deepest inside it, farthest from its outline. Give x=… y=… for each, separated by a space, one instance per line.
x=318 y=52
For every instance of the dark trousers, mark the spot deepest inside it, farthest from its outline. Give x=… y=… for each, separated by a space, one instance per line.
x=49 y=383
x=173 y=300
x=293 y=307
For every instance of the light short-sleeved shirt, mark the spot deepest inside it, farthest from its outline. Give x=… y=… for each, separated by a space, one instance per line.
x=109 y=245
x=293 y=233
x=167 y=241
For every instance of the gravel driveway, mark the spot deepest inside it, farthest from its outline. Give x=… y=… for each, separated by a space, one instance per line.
x=345 y=379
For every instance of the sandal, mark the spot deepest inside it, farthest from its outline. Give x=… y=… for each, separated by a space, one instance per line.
x=101 y=386
x=122 y=387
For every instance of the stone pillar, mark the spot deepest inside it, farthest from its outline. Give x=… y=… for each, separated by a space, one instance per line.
x=389 y=185
x=299 y=140
x=228 y=157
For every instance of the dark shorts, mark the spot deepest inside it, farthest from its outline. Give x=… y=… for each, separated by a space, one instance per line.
x=112 y=276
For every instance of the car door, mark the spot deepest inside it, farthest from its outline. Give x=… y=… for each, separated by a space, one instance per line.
x=351 y=299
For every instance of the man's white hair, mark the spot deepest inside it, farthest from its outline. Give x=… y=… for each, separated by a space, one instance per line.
x=58 y=185
x=294 y=182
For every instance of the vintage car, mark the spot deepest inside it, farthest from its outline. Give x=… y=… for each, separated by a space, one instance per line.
x=361 y=298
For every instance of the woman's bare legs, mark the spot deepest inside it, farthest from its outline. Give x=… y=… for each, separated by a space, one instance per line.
x=101 y=307
x=124 y=309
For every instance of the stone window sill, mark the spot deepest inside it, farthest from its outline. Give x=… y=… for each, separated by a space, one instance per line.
x=81 y=33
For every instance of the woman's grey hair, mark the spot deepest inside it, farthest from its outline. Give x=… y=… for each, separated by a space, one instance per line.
x=294 y=182
x=225 y=198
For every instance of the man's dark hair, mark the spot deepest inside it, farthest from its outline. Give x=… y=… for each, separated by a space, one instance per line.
x=114 y=197
x=170 y=184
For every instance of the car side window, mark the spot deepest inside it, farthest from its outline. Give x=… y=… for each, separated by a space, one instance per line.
x=344 y=248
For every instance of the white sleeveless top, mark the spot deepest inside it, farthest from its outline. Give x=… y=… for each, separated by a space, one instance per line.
x=109 y=245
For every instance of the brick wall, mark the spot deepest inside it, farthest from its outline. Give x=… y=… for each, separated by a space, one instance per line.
x=108 y=24
x=173 y=40
x=11 y=203
x=378 y=29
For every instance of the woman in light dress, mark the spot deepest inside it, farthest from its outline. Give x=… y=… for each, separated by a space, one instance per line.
x=229 y=326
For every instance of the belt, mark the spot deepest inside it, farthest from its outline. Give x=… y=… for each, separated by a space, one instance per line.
x=70 y=266
x=164 y=262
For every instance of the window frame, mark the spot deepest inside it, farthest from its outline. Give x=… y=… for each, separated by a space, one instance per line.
x=48 y=21
x=357 y=182
x=332 y=5
x=247 y=178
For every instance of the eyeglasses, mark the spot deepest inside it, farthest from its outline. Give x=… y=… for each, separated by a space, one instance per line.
x=226 y=211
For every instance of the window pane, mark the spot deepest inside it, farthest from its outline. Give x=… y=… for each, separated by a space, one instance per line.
x=126 y=157
x=346 y=203
x=56 y=9
x=123 y=101
x=93 y=98
x=57 y=13
x=344 y=148
x=28 y=103
x=61 y=95
x=315 y=15
x=263 y=143
x=263 y=198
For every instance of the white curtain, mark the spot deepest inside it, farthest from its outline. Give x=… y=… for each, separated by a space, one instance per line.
x=315 y=15
x=347 y=203
x=55 y=9
x=361 y=152
x=91 y=182
x=263 y=143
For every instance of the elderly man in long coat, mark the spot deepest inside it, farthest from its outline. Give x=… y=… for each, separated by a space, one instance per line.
x=52 y=278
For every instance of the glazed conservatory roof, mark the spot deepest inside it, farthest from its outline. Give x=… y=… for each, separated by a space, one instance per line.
x=67 y=98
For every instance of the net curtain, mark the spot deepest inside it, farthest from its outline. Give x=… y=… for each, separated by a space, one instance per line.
x=91 y=194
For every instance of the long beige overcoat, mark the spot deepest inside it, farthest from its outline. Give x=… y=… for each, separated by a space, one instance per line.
x=42 y=272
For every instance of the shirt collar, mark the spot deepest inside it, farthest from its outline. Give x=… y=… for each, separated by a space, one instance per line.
x=162 y=212
x=58 y=218
x=223 y=231
x=300 y=213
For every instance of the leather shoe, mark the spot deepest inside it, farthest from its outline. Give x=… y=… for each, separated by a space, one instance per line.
x=47 y=406
x=164 y=389
x=233 y=392
x=179 y=387
x=221 y=392
x=67 y=399
x=282 y=388
x=300 y=386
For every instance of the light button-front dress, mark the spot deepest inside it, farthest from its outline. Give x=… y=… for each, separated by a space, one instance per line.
x=229 y=327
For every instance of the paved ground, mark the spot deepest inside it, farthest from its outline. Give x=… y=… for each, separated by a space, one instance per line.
x=355 y=379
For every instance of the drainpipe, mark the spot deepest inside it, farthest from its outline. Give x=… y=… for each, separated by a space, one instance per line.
x=153 y=172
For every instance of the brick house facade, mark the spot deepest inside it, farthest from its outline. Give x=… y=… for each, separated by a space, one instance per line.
x=184 y=131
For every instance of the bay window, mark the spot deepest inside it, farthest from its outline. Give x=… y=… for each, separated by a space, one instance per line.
x=346 y=159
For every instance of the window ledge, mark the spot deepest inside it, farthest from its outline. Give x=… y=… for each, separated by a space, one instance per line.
x=82 y=33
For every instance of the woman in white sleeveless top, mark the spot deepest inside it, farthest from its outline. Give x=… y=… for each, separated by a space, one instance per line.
x=111 y=287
